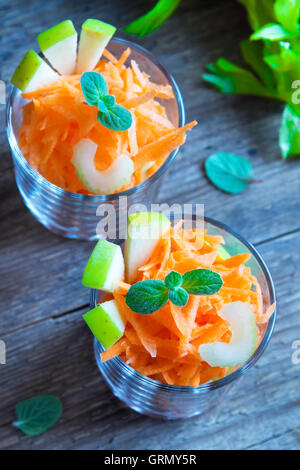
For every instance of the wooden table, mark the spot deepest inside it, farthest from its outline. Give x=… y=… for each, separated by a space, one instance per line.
x=49 y=350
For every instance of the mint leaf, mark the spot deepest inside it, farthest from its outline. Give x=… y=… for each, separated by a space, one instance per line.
x=106 y=103
x=289 y=136
x=38 y=414
x=109 y=100
x=272 y=32
x=102 y=106
x=201 y=282
x=116 y=118
x=173 y=279
x=93 y=87
x=149 y=22
x=229 y=172
x=147 y=296
x=178 y=296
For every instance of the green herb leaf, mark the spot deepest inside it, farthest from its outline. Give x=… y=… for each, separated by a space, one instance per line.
x=201 y=282
x=287 y=13
x=38 y=414
x=110 y=115
x=272 y=32
x=93 y=87
x=109 y=100
x=148 y=23
x=289 y=136
x=147 y=296
x=230 y=78
x=102 y=106
x=178 y=296
x=229 y=172
x=106 y=103
x=173 y=279
x=275 y=60
x=260 y=12
x=252 y=52
x=284 y=60
x=116 y=118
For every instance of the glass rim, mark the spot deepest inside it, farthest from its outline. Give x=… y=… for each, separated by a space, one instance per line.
x=105 y=197
x=146 y=381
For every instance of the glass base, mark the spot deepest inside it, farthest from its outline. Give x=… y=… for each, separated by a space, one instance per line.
x=154 y=399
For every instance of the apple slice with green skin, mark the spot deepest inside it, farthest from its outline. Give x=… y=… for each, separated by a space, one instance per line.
x=33 y=73
x=242 y=323
x=100 y=182
x=222 y=254
x=105 y=267
x=94 y=38
x=59 y=46
x=106 y=323
x=143 y=233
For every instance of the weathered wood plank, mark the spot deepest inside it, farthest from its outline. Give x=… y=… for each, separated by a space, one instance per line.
x=289 y=440
x=56 y=357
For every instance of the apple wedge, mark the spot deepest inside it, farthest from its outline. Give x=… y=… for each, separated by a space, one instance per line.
x=106 y=323
x=222 y=254
x=59 y=46
x=105 y=267
x=33 y=73
x=242 y=323
x=144 y=231
x=100 y=182
x=94 y=37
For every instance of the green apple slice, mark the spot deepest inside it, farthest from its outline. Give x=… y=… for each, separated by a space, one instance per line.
x=243 y=341
x=222 y=253
x=105 y=267
x=106 y=323
x=144 y=231
x=94 y=38
x=100 y=182
x=59 y=46
x=33 y=73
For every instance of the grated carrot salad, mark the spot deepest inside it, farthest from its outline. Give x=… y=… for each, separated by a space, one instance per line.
x=164 y=345
x=56 y=118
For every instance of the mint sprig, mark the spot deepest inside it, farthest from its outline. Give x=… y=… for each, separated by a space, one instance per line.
x=110 y=115
x=148 y=296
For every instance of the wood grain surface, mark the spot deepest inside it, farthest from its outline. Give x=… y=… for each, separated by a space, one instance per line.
x=49 y=349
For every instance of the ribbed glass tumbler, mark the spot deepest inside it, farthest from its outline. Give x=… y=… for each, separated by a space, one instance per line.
x=74 y=215
x=155 y=399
